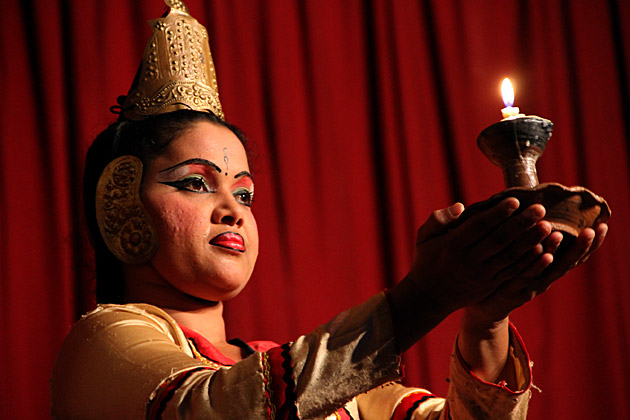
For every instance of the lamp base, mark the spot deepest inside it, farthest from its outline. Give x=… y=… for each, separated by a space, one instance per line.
x=569 y=209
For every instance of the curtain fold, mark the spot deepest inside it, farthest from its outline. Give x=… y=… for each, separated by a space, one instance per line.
x=364 y=118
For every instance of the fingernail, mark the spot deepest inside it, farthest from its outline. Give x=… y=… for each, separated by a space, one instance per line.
x=537 y=212
x=545 y=227
x=513 y=204
x=455 y=210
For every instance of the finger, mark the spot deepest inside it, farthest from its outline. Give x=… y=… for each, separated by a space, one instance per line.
x=600 y=234
x=479 y=225
x=517 y=268
x=439 y=222
x=536 y=269
x=521 y=287
x=570 y=258
x=519 y=247
x=511 y=239
x=552 y=242
x=511 y=259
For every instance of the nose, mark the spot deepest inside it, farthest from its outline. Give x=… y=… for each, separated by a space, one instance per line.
x=228 y=211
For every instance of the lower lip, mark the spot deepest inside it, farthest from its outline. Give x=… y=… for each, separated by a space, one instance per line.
x=231 y=243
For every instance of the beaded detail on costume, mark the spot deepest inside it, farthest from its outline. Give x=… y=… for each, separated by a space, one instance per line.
x=214 y=365
x=271 y=407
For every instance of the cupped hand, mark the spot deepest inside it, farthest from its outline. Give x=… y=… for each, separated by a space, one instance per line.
x=458 y=265
x=538 y=277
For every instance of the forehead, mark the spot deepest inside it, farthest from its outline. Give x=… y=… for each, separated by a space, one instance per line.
x=205 y=140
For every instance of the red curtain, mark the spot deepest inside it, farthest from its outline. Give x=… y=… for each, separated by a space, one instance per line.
x=365 y=115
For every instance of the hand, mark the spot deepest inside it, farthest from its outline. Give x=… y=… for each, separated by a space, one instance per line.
x=461 y=266
x=483 y=338
x=533 y=281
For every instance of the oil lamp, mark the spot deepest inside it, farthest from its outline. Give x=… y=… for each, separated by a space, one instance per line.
x=514 y=144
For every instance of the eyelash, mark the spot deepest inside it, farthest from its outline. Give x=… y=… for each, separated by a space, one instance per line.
x=184 y=184
x=249 y=196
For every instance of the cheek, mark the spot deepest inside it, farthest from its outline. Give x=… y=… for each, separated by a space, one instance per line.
x=253 y=236
x=255 y=230
x=178 y=225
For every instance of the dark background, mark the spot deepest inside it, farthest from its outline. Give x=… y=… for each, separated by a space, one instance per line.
x=365 y=116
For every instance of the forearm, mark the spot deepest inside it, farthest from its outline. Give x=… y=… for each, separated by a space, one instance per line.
x=472 y=397
x=414 y=313
x=484 y=346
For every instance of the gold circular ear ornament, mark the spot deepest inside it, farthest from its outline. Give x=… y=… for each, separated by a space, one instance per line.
x=123 y=221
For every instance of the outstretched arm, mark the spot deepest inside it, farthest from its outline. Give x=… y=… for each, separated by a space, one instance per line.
x=483 y=335
x=457 y=265
x=490 y=264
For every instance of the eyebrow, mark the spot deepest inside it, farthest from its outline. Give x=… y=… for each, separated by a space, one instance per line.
x=192 y=162
x=242 y=174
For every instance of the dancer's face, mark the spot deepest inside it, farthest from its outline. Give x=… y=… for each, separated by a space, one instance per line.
x=199 y=193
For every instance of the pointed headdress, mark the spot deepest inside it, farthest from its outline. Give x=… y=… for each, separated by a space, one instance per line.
x=177 y=71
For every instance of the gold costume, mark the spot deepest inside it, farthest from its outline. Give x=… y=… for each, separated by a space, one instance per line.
x=134 y=362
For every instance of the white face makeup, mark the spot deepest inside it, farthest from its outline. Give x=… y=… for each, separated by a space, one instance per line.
x=199 y=194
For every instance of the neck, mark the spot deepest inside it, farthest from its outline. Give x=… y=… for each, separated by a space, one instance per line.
x=207 y=321
x=205 y=317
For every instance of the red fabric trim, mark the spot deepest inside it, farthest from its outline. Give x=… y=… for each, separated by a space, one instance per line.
x=343 y=414
x=521 y=343
x=282 y=386
x=274 y=372
x=206 y=348
x=502 y=384
x=262 y=345
x=409 y=404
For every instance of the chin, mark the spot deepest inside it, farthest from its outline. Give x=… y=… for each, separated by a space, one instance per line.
x=214 y=297
x=232 y=295
x=228 y=291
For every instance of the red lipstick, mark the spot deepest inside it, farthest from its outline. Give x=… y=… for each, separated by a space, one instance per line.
x=229 y=240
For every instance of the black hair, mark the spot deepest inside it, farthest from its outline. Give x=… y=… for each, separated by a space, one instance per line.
x=145 y=139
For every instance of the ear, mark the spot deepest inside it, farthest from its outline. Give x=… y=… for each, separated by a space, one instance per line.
x=123 y=221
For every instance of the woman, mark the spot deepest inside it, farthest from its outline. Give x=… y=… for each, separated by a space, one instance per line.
x=168 y=194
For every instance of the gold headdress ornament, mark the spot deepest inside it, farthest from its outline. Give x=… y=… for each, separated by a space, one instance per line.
x=177 y=71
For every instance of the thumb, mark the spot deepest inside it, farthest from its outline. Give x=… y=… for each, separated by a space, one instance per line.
x=439 y=222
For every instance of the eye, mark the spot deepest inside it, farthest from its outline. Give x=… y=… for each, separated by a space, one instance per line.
x=244 y=196
x=196 y=184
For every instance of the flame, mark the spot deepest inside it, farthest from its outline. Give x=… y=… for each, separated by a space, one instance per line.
x=507 y=92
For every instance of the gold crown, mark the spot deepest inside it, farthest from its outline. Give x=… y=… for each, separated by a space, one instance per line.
x=177 y=71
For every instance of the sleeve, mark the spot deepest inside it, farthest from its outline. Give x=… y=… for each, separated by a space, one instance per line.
x=124 y=364
x=469 y=397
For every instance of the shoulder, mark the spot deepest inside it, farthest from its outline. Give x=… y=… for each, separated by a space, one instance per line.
x=116 y=356
x=130 y=317
x=116 y=324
